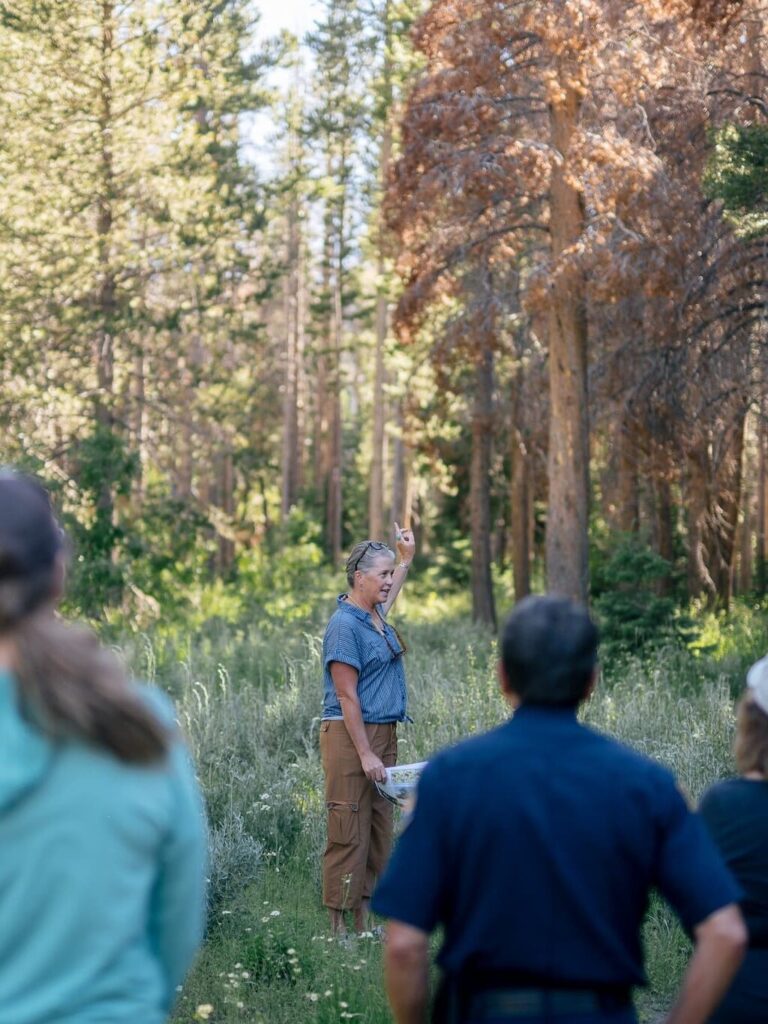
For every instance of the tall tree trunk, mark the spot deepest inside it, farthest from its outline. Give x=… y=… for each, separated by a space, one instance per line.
x=663 y=519
x=697 y=507
x=376 y=493
x=725 y=516
x=522 y=506
x=225 y=547
x=334 y=502
x=745 y=540
x=627 y=511
x=483 y=607
x=568 y=459
x=320 y=461
x=301 y=378
x=521 y=501
x=182 y=469
x=138 y=395
x=104 y=340
x=293 y=328
x=762 y=497
x=399 y=467
x=321 y=464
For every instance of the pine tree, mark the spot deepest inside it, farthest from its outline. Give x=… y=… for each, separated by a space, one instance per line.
x=127 y=245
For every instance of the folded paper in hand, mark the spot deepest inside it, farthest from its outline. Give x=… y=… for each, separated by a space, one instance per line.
x=401 y=782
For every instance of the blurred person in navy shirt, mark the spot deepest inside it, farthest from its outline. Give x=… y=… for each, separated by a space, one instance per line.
x=535 y=847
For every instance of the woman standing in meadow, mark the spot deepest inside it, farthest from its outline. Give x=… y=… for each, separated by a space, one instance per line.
x=364 y=699
x=102 y=834
x=736 y=812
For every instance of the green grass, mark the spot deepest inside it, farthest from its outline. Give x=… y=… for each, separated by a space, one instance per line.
x=249 y=701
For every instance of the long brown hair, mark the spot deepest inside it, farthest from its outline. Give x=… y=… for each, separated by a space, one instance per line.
x=750 y=746
x=69 y=684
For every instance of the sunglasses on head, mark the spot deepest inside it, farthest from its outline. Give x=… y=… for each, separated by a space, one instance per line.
x=374 y=545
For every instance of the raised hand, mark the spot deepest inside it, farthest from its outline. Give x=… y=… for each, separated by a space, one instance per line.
x=406 y=544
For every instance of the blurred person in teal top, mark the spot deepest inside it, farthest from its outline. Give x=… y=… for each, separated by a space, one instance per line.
x=102 y=831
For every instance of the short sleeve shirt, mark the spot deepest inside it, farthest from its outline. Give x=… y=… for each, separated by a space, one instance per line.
x=352 y=638
x=736 y=813
x=536 y=846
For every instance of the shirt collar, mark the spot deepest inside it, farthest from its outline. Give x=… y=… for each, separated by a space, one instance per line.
x=343 y=602
x=546 y=712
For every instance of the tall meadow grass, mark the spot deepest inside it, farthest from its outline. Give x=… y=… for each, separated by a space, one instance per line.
x=249 y=702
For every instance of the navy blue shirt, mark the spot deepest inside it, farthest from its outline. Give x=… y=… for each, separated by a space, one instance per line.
x=352 y=638
x=536 y=845
x=736 y=813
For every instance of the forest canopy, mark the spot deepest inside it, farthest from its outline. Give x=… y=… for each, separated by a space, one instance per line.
x=498 y=269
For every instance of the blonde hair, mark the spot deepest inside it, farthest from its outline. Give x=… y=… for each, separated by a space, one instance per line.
x=750 y=746
x=363 y=555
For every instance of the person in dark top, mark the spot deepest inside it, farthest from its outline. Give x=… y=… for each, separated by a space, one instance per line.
x=535 y=847
x=736 y=812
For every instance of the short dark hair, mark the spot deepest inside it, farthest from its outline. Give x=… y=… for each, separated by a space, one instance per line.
x=549 y=651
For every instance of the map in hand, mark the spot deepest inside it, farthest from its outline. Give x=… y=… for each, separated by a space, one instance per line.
x=401 y=783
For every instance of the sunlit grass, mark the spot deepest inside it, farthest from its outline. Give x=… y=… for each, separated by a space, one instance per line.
x=249 y=700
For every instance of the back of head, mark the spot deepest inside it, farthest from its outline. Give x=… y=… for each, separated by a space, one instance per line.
x=751 y=740
x=69 y=684
x=549 y=651
x=30 y=542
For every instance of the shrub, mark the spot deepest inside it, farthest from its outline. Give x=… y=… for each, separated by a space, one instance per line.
x=633 y=613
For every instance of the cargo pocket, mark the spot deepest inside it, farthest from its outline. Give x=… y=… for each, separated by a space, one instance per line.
x=343 y=823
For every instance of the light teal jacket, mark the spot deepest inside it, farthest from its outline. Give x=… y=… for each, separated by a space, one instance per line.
x=102 y=877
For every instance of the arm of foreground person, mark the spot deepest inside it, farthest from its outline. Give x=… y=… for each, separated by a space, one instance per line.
x=178 y=907
x=720 y=944
x=406 y=966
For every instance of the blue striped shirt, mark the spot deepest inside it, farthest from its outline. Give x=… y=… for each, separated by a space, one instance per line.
x=352 y=639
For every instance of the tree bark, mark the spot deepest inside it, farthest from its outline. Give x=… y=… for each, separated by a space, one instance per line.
x=745 y=541
x=762 y=503
x=521 y=497
x=321 y=463
x=725 y=515
x=697 y=506
x=399 y=467
x=483 y=607
x=334 y=497
x=568 y=459
x=225 y=546
x=627 y=510
x=376 y=493
x=663 y=522
x=138 y=395
x=104 y=340
x=293 y=345
x=521 y=514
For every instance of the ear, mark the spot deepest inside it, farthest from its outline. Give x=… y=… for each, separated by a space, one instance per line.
x=59 y=577
x=592 y=683
x=512 y=698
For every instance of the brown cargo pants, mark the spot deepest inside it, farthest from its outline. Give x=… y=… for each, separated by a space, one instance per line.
x=359 y=819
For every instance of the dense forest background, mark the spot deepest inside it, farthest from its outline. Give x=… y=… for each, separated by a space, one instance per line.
x=501 y=271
